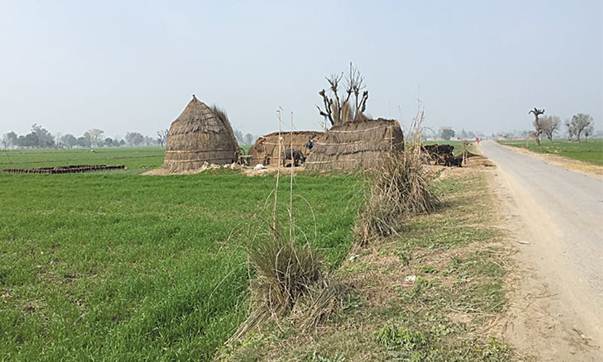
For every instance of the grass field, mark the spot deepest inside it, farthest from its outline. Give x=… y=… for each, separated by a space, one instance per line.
x=136 y=159
x=590 y=151
x=117 y=266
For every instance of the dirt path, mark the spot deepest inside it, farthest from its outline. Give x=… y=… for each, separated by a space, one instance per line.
x=556 y=217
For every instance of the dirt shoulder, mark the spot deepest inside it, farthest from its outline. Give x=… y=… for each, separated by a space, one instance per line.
x=567 y=163
x=434 y=292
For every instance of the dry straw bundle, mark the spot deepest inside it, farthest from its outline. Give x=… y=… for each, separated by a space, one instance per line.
x=400 y=187
x=288 y=272
x=356 y=145
x=200 y=134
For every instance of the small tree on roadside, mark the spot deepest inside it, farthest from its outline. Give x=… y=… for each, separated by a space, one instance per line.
x=538 y=127
x=339 y=108
x=550 y=125
x=580 y=124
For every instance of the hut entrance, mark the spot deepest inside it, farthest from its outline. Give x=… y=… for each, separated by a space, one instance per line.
x=270 y=149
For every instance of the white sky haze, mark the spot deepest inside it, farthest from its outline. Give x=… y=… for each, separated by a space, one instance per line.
x=133 y=65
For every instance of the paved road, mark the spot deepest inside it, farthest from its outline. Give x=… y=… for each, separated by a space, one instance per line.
x=561 y=214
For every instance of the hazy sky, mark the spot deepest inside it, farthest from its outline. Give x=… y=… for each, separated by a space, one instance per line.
x=133 y=65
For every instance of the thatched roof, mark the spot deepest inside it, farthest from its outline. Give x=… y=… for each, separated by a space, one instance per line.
x=356 y=145
x=266 y=148
x=199 y=135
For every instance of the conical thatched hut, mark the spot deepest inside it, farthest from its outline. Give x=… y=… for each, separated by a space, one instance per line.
x=266 y=148
x=200 y=134
x=356 y=145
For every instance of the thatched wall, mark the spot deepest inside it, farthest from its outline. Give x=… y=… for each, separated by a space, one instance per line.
x=266 y=148
x=199 y=135
x=356 y=145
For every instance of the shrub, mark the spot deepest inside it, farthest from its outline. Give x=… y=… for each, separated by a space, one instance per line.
x=284 y=271
x=400 y=187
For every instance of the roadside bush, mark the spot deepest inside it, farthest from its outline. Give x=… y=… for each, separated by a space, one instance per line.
x=401 y=187
x=284 y=271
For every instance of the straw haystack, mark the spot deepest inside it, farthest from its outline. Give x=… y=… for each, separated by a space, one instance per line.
x=266 y=148
x=200 y=134
x=356 y=145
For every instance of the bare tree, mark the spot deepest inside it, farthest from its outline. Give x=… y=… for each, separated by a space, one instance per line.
x=580 y=124
x=239 y=136
x=538 y=129
x=550 y=125
x=162 y=137
x=339 y=108
x=94 y=136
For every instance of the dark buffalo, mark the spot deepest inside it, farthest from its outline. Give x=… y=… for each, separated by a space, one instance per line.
x=439 y=153
x=293 y=157
x=452 y=161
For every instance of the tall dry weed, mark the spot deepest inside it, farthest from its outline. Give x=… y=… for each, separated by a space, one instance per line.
x=286 y=270
x=400 y=188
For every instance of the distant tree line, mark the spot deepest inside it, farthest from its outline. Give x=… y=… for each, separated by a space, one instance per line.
x=40 y=137
x=447 y=133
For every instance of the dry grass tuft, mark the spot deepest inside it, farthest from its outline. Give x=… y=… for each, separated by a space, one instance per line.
x=320 y=302
x=401 y=187
x=284 y=271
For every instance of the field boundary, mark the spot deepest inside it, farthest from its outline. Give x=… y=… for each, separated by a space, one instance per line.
x=435 y=291
x=567 y=163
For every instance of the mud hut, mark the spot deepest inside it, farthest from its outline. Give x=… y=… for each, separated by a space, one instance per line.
x=266 y=148
x=200 y=134
x=356 y=145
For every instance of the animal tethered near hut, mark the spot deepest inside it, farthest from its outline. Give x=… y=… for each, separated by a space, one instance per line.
x=269 y=150
x=293 y=158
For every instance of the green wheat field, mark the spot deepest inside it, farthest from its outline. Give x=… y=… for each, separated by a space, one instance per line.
x=119 y=266
x=590 y=151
